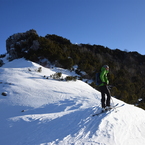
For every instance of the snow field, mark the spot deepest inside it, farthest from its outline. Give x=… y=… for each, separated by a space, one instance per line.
x=59 y=112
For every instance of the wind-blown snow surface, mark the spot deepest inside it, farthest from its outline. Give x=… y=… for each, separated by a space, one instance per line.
x=59 y=112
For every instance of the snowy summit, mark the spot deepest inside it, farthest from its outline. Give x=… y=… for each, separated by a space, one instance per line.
x=38 y=110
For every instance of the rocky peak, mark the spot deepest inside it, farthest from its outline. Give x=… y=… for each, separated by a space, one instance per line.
x=20 y=43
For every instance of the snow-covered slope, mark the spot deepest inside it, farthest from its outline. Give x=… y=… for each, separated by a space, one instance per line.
x=59 y=112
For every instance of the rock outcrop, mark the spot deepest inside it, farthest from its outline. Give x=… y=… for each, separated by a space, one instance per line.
x=19 y=44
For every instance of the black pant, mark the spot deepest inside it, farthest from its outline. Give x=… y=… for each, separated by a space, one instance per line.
x=104 y=90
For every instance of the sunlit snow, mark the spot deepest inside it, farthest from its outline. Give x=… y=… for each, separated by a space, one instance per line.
x=40 y=111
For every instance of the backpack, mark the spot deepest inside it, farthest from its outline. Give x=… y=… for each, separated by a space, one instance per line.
x=97 y=79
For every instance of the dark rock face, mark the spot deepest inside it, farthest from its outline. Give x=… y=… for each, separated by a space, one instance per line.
x=19 y=44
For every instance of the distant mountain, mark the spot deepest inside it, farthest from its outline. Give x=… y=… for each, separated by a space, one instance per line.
x=37 y=109
x=126 y=68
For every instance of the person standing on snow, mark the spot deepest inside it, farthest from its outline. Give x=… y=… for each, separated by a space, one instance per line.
x=104 y=87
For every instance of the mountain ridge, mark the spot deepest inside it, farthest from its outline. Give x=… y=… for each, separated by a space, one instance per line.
x=126 y=68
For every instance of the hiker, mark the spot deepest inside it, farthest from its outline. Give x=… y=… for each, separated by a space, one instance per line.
x=104 y=88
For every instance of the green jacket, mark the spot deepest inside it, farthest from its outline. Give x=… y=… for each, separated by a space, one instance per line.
x=103 y=76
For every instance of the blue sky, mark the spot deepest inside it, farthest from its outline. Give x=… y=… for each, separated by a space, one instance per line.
x=111 y=23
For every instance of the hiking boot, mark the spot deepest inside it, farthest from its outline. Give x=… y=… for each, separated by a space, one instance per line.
x=108 y=107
